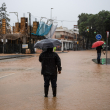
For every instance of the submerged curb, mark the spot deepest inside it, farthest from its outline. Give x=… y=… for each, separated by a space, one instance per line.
x=12 y=56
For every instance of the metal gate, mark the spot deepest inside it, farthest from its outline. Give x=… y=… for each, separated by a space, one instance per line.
x=1 y=48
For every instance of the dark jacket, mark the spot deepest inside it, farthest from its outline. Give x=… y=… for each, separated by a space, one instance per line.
x=50 y=62
x=99 y=49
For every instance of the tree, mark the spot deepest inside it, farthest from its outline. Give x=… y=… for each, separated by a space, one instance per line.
x=97 y=22
x=3 y=14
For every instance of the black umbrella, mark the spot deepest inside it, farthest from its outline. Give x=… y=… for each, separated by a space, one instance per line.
x=47 y=43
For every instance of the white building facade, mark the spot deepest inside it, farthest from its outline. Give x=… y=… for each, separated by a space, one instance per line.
x=67 y=37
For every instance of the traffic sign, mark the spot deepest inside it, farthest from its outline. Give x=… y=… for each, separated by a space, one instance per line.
x=98 y=36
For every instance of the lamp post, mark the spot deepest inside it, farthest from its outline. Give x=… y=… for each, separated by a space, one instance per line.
x=16 y=13
x=51 y=13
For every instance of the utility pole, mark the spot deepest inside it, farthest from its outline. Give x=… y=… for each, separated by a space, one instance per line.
x=16 y=13
x=30 y=30
x=107 y=45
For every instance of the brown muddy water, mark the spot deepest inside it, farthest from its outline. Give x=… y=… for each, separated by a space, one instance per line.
x=82 y=85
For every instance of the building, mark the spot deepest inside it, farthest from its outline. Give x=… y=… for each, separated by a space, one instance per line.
x=20 y=39
x=67 y=37
x=17 y=36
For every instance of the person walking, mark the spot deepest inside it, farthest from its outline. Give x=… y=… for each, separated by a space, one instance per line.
x=51 y=63
x=98 y=53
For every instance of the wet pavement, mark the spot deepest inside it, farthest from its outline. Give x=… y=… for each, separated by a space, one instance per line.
x=82 y=85
x=102 y=61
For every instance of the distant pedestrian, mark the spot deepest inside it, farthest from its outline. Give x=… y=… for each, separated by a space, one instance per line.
x=98 y=53
x=50 y=63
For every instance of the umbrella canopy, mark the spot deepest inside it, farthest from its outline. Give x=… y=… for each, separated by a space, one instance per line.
x=47 y=43
x=98 y=43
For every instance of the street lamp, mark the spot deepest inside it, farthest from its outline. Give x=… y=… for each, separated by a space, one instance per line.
x=16 y=13
x=51 y=13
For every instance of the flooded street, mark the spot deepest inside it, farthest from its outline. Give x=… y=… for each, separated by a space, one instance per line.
x=82 y=85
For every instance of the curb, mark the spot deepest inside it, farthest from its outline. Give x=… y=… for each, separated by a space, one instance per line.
x=12 y=56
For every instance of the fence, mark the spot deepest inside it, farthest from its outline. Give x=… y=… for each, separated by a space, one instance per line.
x=15 y=48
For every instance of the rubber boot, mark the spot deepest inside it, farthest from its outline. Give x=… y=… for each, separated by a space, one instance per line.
x=46 y=91
x=99 y=61
x=54 y=91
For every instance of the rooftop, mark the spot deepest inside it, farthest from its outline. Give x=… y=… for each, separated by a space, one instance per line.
x=67 y=30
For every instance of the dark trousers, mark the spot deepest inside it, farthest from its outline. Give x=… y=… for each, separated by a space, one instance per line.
x=98 y=55
x=48 y=78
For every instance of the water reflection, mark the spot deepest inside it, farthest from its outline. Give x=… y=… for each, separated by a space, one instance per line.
x=98 y=68
x=50 y=103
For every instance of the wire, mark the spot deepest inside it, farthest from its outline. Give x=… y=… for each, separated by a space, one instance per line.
x=66 y=21
x=56 y=20
x=35 y=16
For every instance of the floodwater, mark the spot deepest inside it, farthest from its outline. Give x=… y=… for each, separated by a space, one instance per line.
x=82 y=85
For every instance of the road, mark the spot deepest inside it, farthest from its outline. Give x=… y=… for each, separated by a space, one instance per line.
x=82 y=85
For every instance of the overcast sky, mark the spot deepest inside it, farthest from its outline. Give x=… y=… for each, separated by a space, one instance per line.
x=62 y=9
